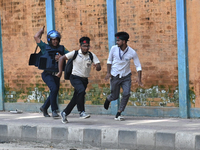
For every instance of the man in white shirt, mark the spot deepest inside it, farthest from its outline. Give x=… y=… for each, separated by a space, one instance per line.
x=79 y=77
x=119 y=72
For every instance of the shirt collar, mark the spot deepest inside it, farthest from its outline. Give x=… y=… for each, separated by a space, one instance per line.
x=125 y=49
x=80 y=52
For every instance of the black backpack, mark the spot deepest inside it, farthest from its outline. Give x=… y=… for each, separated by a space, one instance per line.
x=69 y=65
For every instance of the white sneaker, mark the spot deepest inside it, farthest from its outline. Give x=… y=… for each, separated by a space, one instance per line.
x=84 y=115
x=119 y=118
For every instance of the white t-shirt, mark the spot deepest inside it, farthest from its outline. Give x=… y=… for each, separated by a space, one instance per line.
x=120 y=61
x=82 y=63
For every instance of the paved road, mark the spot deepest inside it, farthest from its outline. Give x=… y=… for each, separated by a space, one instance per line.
x=105 y=121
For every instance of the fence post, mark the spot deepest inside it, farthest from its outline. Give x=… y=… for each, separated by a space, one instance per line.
x=183 y=73
x=2 y=94
x=50 y=19
x=50 y=15
x=112 y=29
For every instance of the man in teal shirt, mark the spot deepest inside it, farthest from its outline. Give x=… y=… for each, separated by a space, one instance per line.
x=53 y=48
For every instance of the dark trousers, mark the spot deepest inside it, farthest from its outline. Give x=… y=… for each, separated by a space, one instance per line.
x=53 y=83
x=80 y=85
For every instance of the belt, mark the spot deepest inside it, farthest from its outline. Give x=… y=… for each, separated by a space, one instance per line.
x=52 y=73
x=80 y=77
x=122 y=76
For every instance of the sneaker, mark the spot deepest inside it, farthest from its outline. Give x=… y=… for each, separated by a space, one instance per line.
x=63 y=117
x=84 y=115
x=119 y=118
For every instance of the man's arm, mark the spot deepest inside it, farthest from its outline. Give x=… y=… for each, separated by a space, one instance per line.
x=109 y=63
x=108 y=75
x=58 y=55
x=139 y=80
x=60 y=65
x=38 y=35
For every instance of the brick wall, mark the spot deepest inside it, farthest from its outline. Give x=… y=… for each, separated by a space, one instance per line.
x=152 y=28
x=75 y=19
x=150 y=23
x=193 y=17
x=20 y=21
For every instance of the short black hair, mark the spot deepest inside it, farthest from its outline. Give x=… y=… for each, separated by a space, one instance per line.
x=84 y=40
x=122 y=36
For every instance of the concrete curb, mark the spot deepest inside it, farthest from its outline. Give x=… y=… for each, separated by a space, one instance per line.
x=104 y=137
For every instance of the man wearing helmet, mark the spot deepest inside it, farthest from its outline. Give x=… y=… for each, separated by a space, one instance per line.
x=53 y=38
x=55 y=50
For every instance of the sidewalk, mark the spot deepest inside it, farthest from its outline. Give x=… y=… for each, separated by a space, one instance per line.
x=141 y=133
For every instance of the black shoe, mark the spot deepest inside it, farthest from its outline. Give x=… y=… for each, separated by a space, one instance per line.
x=55 y=114
x=45 y=113
x=118 y=117
x=106 y=104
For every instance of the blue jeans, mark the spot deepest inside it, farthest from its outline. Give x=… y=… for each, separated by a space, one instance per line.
x=53 y=83
x=80 y=85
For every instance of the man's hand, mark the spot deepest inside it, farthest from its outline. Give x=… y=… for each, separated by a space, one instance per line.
x=57 y=56
x=97 y=66
x=139 y=82
x=108 y=75
x=59 y=74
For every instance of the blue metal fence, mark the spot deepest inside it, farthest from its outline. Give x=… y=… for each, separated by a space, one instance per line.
x=185 y=110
